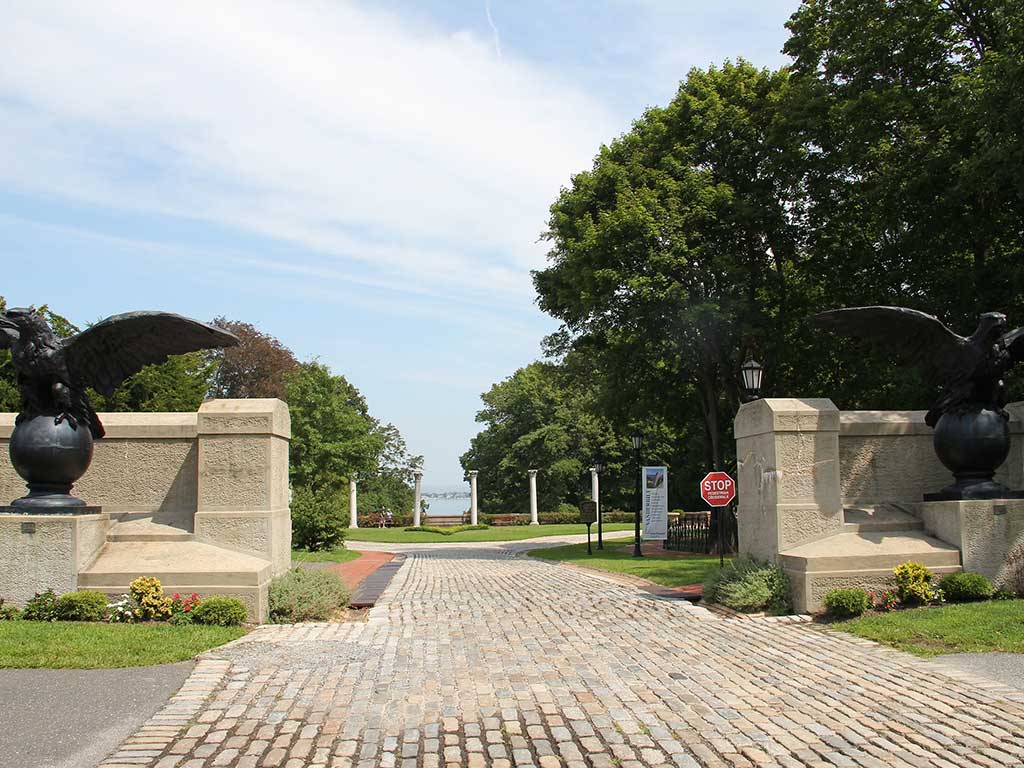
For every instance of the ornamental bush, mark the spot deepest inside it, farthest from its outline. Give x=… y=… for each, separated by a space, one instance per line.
x=306 y=595
x=846 y=603
x=83 y=605
x=219 y=611
x=148 y=594
x=318 y=521
x=745 y=584
x=8 y=611
x=965 y=587
x=41 y=607
x=913 y=584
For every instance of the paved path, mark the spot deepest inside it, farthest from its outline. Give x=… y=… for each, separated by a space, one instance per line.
x=511 y=547
x=475 y=657
x=73 y=718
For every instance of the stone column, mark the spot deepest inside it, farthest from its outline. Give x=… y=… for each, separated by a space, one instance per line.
x=418 y=503
x=533 y=497
x=353 y=508
x=595 y=490
x=473 y=497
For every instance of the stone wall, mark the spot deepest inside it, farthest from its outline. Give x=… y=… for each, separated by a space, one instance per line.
x=221 y=473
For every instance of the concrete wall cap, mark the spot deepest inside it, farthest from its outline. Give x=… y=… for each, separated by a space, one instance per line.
x=263 y=415
x=138 y=425
x=786 y=414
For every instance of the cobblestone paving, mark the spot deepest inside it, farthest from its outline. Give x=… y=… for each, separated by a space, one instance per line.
x=478 y=658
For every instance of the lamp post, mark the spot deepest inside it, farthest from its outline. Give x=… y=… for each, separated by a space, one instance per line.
x=638 y=444
x=595 y=494
x=752 y=373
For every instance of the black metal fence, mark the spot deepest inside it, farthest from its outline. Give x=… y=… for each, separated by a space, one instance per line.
x=698 y=532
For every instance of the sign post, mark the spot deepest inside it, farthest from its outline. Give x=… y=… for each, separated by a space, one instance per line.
x=718 y=489
x=588 y=514
x=655 y=503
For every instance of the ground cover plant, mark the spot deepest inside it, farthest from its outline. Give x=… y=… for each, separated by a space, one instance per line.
x=306 y=595
x=976 y=627
x=337 y=555
x=617 y=557
x=498 y=533
x=101 y=645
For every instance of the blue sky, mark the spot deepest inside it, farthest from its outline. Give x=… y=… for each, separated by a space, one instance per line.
x=365 y=181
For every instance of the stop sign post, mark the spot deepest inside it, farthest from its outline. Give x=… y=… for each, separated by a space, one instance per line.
x=718 y=489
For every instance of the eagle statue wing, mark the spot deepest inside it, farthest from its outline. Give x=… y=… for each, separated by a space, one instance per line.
x=913 y=337
x=1013 y=342
x=107 y=353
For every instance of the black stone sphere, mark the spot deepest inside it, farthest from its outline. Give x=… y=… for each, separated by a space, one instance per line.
x=50 y=457
x=972 y=444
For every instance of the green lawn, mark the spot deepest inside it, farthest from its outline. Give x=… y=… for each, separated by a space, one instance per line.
x=73 y=645
x=996 y=625
x=336 y=555
x=495 y=533
x=618 y=558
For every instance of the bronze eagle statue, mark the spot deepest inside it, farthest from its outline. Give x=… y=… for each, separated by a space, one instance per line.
x=967 y=369
x=54 y=374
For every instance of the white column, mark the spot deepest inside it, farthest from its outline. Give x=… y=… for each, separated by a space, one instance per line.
x=353 y=509
x=533 y=497
x=595 y=490
x=472 y=496
x=418 y=503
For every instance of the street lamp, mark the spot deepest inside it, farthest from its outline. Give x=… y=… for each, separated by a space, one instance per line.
x=752 y=373
x=638 y=444
x=598 y=469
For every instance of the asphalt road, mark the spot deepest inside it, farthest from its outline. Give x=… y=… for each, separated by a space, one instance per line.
x=74 y=718
x=1005 y=668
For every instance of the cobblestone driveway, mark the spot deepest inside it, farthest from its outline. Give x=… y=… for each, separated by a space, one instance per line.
x=478 y=658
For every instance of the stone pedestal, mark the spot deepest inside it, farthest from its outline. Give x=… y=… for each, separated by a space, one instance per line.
x=534 y=520
x=353 y=505
x=985 y=531
x=788 y=458
x=40 y=552
x=243 y=478
x=473 y=513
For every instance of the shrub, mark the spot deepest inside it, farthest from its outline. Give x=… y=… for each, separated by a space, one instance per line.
x=913 y=584
x=306 y=595
x=745 y=584
x=617 y=516
x=219 y=611
x=965 y=587
x=83 y=605
x=148 y=593
x=846 y=603
x=8 y=611
x=318 y=521
x=446 y=531
x=41 y=607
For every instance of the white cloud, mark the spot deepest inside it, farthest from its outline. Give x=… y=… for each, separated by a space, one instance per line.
x=411 y=154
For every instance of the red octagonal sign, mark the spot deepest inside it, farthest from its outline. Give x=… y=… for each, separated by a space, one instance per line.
x=718 y=489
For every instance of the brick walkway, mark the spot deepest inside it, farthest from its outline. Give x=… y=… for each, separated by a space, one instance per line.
x=477 y=658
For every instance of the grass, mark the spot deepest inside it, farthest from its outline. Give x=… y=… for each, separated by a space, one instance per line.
x=618 y=558
x=74 y=645
x=996 y=625
x=336 y=555
x=495 y=533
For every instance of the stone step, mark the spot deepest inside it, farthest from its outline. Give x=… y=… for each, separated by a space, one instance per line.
x=884 y=517
x=144 y=529
x=872 y=550
x=184 y=564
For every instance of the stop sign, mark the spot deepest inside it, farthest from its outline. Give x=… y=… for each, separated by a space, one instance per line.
x=718 y=489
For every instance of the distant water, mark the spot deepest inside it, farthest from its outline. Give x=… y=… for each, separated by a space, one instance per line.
x=447 y=506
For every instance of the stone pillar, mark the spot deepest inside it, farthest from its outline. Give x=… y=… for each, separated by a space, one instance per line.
x=787 y=452
x=473 y=514
x=418 y=502
x=243 y=478
x=534 y=520
x=595 y=490
x=353 y=507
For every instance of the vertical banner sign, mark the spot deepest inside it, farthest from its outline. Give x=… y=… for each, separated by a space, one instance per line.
x=655 y=517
